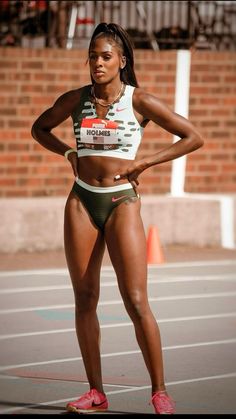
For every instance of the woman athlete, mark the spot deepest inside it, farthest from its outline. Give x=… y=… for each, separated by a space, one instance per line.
x=103 y=207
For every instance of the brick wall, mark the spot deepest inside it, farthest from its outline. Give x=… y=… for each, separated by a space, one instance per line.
x=31 y=79
x=213 y=111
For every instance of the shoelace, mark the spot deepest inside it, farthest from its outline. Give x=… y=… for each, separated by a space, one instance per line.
x=88 y=395
x=163 y=400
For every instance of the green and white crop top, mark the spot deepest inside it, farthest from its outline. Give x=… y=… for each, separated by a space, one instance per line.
x=118 y=135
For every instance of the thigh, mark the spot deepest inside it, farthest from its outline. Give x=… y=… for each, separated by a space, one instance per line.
x=126 y=243
x=84 y=245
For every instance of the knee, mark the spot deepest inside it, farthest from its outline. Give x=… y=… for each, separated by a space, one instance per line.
x=85 y=301
x=136 y=305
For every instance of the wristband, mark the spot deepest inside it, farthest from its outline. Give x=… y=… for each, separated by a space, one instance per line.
x=71 y=150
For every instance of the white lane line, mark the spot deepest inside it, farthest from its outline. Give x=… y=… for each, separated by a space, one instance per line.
x=223 y=262
x=210 y=377
x=123 y=324
x=121 y=353
x=40 y=333
x=30 y=272
x=228 y=294
x=151 y=280
x=36 y=308
x=109 y=269
x=35 y=289
x=120 y=391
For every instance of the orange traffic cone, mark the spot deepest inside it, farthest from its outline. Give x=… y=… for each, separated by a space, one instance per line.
x=154 y=249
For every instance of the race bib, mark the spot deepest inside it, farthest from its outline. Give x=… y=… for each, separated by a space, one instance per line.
x=98 y=131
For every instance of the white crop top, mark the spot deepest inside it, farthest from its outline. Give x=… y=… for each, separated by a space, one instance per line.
x=118 y=135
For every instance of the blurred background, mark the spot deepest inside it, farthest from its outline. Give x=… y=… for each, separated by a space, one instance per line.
x=185 y=53
x=157 y=25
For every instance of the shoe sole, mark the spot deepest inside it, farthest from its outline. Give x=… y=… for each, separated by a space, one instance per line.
x=92 y=410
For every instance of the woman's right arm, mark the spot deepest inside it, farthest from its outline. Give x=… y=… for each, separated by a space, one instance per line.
x=51 y=118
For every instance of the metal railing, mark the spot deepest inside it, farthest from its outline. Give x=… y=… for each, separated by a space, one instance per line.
x=151 y=24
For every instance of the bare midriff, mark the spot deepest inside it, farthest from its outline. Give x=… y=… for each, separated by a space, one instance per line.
x=100 y=171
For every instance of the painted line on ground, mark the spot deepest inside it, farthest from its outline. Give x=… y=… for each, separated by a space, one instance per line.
x=228 y=294
x=120 y=391
x=114 y=325
x=121 y=353
x=108 y=269
x=151 y=280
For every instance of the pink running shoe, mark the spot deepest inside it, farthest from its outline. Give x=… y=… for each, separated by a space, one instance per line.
x=92 y=401
x=163 y=404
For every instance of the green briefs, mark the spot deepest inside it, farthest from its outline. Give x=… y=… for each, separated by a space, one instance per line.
x=99 y=202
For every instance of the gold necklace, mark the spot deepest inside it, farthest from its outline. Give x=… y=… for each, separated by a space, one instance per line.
x=108 y=104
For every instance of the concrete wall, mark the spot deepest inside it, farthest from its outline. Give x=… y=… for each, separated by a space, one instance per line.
x=36 y=224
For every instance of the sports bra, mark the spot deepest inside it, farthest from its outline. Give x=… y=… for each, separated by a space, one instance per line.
x=117 y=135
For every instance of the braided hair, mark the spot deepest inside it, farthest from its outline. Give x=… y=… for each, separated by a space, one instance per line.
x=116 y=33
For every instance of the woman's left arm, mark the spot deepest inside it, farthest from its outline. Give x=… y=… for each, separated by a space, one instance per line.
x=155 y=110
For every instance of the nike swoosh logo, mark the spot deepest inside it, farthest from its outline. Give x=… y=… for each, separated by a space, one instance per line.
x=120 y=109
x=114 y=199
x=98 y=404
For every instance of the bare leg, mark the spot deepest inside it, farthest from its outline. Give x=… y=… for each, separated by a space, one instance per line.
x=126 y=242
x=84 y=249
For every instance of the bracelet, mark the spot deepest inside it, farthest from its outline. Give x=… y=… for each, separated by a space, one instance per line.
x=71 y=150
